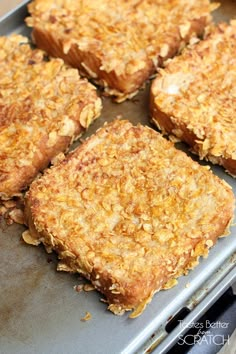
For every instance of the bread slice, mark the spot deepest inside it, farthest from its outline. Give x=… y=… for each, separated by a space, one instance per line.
x=194 y=97
x=44 y=106
x=116 y=43
x=129 y=212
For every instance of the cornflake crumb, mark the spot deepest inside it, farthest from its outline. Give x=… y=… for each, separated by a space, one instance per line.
x=2 y=210
x=187 y=285
x=87 y=317
x=58 y=158
x=79 y=288
x=9 y=204
x=170 y=284
x=17 y=216
x=88 y=287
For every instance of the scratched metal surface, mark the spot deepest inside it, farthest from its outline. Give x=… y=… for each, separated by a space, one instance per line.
x=40 y=312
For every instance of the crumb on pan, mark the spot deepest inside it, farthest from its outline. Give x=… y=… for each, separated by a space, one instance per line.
x=17 y=216
x=27 y=237
x=12 y=211
x=87 y=317
x=79 y=288
x=88 y=287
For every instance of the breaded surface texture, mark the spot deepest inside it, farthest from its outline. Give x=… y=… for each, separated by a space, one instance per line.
x=117 y=43
x=44 y=106
x=194 y=97
x=129 y=212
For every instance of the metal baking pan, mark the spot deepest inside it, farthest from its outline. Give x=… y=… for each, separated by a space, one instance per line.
x=40 y=312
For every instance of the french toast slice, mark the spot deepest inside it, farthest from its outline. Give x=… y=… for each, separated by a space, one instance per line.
x=129 y=212
x=194 y=97
x=118 y=44
x=44 y=107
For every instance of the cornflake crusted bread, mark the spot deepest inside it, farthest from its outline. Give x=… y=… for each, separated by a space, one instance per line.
x=194 y=97
x=44 y=106
x=129 y=212
x=118 y=43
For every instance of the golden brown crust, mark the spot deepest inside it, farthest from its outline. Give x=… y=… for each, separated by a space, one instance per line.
x=193 y=98
x=89 y=65
x=117 y=44
x=44 y=106
x=129 y=212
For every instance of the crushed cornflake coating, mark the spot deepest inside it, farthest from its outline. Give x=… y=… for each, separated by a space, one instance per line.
x=58 y=158
x=170 y=284
x=129 y=212
x=117 y=43
x=44 y=106
x=194 y=97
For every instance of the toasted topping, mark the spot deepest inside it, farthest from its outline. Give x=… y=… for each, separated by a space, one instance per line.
x=170 y=284
x=124 y=36
x=40 y=102
x=130 y=212
x=140 y=308
x=198 y=90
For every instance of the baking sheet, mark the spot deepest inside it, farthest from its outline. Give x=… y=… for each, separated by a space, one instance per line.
x=40 y=312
